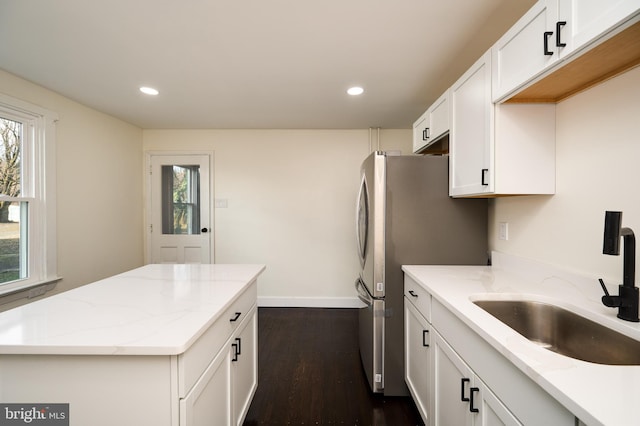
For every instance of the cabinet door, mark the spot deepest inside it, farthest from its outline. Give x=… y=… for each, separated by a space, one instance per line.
x=209 y=401
x=439 y=116
x=244 y=366
x=521 y=54
x=470 y=140
x=492 y=412
x=452 y=386
x=417 y=358
x=586 y=20
x=421 y=132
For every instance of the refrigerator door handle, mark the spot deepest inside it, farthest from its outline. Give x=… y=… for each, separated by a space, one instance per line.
x=362 y=221
x=363 y=293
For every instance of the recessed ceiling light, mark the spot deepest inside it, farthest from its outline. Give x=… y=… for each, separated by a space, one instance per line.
x=355 y=91
x=149 y=91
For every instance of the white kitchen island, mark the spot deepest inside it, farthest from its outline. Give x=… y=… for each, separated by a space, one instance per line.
x=159 y=345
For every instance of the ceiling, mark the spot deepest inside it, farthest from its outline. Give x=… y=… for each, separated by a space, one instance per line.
x=251 y=63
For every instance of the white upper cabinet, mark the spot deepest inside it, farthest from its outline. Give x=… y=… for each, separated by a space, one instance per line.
x=498 y=149
x=433 y=124
x=586 y=20
x=439 y=116
x=550 y=32
x=470 y=148
x=421 y=132
x=526 y=49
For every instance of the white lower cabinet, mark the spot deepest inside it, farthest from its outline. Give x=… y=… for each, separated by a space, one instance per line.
x=460 y=397
x=492 y=411
x=244 y=368
x=210 y=398
x=417 y=358
x=223 y=393
x=456 y=378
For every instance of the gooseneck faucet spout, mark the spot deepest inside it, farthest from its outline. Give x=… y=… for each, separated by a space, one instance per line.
x=627 y=300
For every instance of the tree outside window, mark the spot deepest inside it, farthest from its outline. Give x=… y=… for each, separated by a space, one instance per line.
x=10 y=173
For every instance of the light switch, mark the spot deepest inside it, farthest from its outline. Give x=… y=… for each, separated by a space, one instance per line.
x=221 y=203
x=503 y=231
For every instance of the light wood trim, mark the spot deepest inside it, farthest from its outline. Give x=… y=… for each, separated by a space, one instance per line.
x=610 y=58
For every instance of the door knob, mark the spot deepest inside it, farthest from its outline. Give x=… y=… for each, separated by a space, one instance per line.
x=204 y=230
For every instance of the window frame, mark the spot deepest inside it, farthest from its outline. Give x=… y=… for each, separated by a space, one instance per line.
x=39 y=173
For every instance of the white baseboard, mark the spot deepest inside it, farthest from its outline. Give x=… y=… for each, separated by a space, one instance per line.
x=310 y=302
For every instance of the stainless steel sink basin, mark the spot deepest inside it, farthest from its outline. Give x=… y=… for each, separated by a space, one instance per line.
x=564 y=332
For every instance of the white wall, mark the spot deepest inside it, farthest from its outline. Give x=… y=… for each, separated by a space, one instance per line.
x=291 y=193
x=291 y=204
x=99 y=188
x=598 y=169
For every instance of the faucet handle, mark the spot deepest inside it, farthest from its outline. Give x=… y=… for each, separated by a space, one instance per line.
x=607 y=299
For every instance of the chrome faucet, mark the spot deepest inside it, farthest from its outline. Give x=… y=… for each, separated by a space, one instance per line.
x=627 y=300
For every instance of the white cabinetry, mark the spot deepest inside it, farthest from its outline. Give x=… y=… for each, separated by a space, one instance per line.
x=523 y=51
x=224 y=391
x=461 y=398
x=210 y=397
x=471 y=153
x=551 y=31
x=498 y=149
x=433 y=124
x=587 y=20
x=459 y=379
x=494 y=376
x=244 y=367
x=421 y=132
x=418 y=358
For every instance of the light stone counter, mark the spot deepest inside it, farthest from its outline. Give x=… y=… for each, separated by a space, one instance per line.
x=152 y=310
x=596 y=394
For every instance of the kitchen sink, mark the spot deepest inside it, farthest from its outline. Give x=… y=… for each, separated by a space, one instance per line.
x=565 y=332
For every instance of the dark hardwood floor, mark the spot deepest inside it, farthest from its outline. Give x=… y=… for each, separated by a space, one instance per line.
x=309 y=373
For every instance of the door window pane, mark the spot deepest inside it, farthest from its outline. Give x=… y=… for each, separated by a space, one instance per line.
x=181 y=200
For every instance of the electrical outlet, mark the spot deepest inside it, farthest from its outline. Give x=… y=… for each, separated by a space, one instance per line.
x=503 y=231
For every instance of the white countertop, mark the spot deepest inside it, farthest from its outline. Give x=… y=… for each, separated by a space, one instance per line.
x=152 y=310
x=597 y=394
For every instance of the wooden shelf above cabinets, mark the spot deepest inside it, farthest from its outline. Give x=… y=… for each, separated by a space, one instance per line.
x=604 y=61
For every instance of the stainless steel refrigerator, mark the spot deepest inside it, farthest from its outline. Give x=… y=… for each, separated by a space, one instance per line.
x=406 y=217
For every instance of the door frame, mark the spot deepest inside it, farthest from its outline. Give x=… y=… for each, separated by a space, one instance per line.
x=147 y=195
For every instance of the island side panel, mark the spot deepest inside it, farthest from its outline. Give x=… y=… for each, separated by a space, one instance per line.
x=100 y=390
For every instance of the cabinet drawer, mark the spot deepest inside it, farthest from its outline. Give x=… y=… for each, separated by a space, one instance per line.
x=195 y=360
x=420 y=298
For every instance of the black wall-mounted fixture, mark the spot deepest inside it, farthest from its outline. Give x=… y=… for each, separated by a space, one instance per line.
x=627 y=300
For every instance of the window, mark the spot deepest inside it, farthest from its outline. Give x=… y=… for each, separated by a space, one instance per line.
x=181 y=200
x=27 y=195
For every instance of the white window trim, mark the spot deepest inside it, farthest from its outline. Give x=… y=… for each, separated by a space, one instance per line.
x=42 y=235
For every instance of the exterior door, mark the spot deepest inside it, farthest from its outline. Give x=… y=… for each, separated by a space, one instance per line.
x=180 y=228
